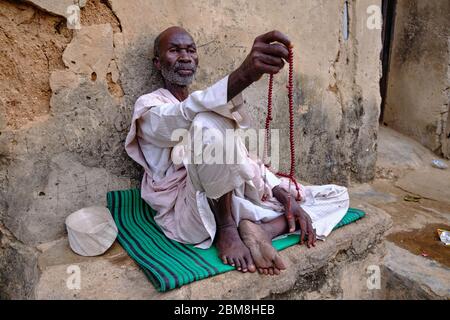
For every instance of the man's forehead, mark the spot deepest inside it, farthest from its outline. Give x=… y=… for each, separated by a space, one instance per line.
x=177 y=37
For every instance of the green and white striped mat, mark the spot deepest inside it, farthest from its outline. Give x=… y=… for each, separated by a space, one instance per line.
x=167 y=263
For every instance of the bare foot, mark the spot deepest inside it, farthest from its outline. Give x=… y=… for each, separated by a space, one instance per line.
x=259 y=241
x=232 y=250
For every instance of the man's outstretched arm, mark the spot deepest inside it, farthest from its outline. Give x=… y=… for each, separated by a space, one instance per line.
x=266 y=56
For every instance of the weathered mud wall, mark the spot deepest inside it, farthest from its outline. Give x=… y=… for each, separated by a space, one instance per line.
x=67 y=96
x=419 y=75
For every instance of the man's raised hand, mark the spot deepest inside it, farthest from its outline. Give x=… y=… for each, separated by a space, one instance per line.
x=268 y=55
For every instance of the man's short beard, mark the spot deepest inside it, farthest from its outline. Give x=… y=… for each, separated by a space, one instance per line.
x=170 y=74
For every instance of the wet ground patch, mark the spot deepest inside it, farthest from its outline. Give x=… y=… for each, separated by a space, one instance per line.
x=424 y=242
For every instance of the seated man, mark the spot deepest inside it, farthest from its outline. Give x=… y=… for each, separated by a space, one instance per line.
x=230 y=204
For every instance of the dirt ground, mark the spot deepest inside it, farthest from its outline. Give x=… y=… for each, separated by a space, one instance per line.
x=415 y=194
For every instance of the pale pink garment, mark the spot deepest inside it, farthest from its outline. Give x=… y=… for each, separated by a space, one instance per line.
x=167 y=186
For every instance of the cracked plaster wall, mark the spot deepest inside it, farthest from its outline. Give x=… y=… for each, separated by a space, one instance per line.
x=67 y=97
x=418 y=95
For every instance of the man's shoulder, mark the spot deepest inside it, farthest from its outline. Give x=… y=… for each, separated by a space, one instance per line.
x=151 y=99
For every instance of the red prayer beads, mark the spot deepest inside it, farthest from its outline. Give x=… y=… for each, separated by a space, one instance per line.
x=269 y=118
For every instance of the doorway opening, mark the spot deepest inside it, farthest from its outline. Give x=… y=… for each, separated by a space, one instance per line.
x=388 y=11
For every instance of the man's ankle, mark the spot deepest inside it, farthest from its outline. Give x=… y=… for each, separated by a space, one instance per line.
x=227 y=225
x=268 y=228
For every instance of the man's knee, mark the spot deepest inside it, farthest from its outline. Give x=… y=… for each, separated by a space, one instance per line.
x=213 y=130
x=212 y=120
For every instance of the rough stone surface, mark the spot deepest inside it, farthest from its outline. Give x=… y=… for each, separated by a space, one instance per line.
x=398 y=158
x=406 y=274
x=74 y=157
x=398 y=153
x=367 y=193
x=58 y=7
x=311 y=273
x=18 y=268
x=429 y=183
x=32 y=46
x=81 y=58
x=67 y=97
x=414 y=277
x=419 y=74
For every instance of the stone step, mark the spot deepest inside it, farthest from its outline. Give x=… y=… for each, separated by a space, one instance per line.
x=414 y=277
x=321 y=272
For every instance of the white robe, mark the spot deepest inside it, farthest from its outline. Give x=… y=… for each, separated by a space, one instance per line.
x=182 y=193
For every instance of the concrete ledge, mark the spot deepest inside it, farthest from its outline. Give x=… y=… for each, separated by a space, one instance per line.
x=116 y=276
x=414 y=277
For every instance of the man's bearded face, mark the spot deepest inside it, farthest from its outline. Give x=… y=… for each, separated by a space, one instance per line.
x=178 y=59
x=180 y=73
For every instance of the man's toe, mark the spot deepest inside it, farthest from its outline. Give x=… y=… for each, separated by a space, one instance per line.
x=278 y=262
x=224 y=259
x=243 y=264
x=237 y=263
x=249 y=263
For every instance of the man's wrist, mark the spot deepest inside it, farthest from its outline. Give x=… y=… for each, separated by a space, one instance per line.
x=244 y=76
x=238 y=81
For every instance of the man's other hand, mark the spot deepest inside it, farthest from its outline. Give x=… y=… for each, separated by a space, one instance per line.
x=299 y=215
